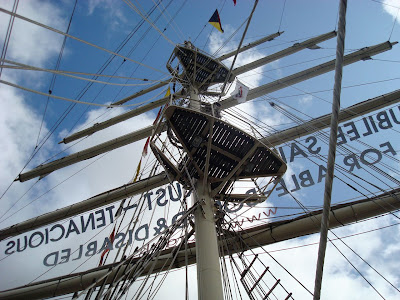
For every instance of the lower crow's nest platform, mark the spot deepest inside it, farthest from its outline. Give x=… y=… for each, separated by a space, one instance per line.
x=215 y=151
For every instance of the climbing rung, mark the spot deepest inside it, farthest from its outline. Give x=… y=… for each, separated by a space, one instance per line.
x=270 y=291
x=247 y=289
x=258 y=280
x=288 y=296
x=248 y=268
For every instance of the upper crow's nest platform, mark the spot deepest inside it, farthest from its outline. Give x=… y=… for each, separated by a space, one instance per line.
x=200 y=70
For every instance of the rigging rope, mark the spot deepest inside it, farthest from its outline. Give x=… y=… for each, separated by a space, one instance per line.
x=367 y=281
x=71 y=106
x=77 y=39
x=283 y=10
x=72 y=100
x=137 y=10
x=394 y=23
x=53 y=79
x=243 y=242
x=8 y=36
x=316 y=223
x=20 y=66
x=131 y=51
x=170 y=20
x=238 y=49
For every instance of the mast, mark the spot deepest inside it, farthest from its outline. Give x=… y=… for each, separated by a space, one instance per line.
x=278 y=231
x=129 y=138
x=99 y=200
x=206 y=246
x=248 y=67
x=332 y=148
x=275 y=139
x=208 y=155
x=209 y=283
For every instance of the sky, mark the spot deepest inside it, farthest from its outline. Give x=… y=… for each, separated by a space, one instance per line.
x=107 y=24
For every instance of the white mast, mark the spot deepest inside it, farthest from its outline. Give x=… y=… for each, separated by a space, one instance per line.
x=209 y=283
x=332 y=148
x=341 y=215
x=209 y=273
x=226 y=103
x=272 y=140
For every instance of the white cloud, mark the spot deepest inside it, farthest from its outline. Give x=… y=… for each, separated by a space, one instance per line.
x=340 y=280
x=19 y=124
x=30 y=43
x=18 y=130
x=252 y=79
x=306 y=100
x=93 y=4
x=112 y=11
x=114 y=169
x=392 y=8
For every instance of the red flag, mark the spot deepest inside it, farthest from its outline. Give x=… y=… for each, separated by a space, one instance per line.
x=158 y=116
x=112 y=237
x=146 y=146
x=167 y=94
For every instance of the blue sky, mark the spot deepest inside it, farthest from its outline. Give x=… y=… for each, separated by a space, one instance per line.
x=107 y=23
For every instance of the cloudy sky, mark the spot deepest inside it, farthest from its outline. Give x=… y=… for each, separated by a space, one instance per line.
x=115 y=26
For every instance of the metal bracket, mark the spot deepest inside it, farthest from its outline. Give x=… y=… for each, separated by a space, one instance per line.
x=202 y=202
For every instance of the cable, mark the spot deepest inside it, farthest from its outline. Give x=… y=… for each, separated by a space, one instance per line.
x=69 y=99
x=53 y=80
x=312 y=93
x=170 y=20
x=77 y=39
x=394 y=23
x=55 y=186
x=269 y=254
x=283 y=10
x=8 y=35
x=130 y=52
x=137 y=10
x=67 y=74
x=316 y=222
x=69 y=109
x=238 y=48
x=384 y=3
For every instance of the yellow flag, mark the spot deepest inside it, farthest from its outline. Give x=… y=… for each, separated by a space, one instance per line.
x=137 y=170
x=215 y=21
x=168 y=93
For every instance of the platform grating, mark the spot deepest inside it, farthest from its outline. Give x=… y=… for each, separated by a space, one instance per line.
x=202 y=65
x=229 y=147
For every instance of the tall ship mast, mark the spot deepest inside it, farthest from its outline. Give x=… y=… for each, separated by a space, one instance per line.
x=217 y=184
